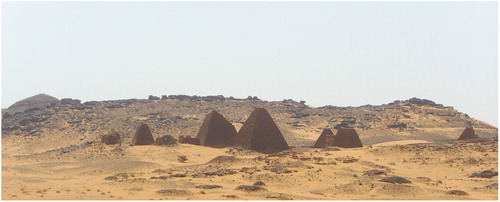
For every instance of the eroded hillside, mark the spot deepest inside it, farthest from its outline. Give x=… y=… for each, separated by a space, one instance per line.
x=70 y=122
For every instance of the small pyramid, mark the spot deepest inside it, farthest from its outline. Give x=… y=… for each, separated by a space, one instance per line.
x=347 y=138
x=216 y=131
x=260 y=133
x=325 y=139
x=468 y=134
x=166 y=140
x=143 y=136
x=112 y=138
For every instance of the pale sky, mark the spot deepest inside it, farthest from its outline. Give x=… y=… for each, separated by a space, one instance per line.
x=326 y=53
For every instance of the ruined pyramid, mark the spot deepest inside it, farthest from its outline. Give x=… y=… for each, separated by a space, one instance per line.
x=184 y=139
x=260 y=133
x=112 y=138
x=143 y=136
x=468 y=134
x=216 y=131
x=325 y=139
x=347 y=138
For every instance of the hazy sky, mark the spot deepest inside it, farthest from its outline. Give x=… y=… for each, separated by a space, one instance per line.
x=327 y=53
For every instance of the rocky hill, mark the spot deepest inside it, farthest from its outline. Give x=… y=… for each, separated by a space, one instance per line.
x=50 y=124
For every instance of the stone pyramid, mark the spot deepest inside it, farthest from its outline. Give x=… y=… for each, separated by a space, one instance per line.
x=468 y=134
x=325 y=139
x=143 y=136
x=260 y=133
x=347 y=138
x=112 y=138
x=216 y=131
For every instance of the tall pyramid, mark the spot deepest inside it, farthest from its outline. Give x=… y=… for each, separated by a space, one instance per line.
x=325 y=139
x=468 y=134
x=347 y=138
x=260 y=133
x=143 y=136
x=216 y=131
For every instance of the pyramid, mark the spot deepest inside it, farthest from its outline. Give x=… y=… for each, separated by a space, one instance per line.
x=143 y=136
x=112 y=138
x=347 y=138
x=468 y=134
x=216 y=131
x=260 y=133
x=325 y=139
x=166 y=140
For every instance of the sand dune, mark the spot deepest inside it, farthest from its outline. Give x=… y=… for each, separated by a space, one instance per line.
x=101 y=172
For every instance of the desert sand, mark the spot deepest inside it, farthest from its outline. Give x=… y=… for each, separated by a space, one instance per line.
x=55 y=153
x=100 y=172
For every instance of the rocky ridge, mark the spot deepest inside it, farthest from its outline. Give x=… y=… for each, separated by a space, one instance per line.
x=70 y=122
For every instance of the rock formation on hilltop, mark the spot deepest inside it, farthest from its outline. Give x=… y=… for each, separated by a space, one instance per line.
x=75 y=122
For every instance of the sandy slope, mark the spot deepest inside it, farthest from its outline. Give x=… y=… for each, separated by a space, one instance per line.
x=300 y=173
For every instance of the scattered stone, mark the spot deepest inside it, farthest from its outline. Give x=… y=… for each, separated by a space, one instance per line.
x=178 y=175
x=151 y=97
x=485 y=174
x=69 y=101
x=208 y=186
x=74 y=121
x=492 y=186
x=173 y=192
x=395 y=180
x=279 y=196
x=250 y=188
x=111 y=178
x=223 y=159
x=221 y=172
x=457 y=193
x=136 y=189
x=397 y=125
x=299 y=115
x=424 y=179
x=230 y=196
x=259 y=183
x=374 y=172
x=347 y=159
